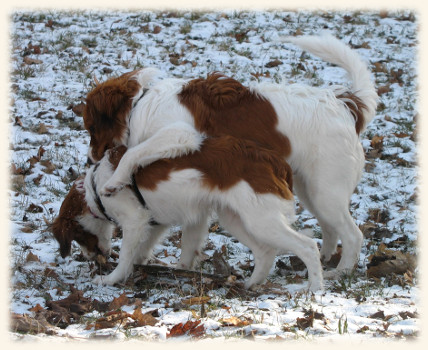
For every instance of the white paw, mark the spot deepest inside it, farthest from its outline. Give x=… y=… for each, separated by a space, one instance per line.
x=98 y=280
x=103 y=280
x=111 y=188
x=80 y=185
x=315 y=286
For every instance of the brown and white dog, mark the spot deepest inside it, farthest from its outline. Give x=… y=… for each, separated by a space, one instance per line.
x=315 y=129
x=247 y=186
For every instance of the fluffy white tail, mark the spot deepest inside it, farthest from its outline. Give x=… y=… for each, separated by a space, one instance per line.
x=335 y=51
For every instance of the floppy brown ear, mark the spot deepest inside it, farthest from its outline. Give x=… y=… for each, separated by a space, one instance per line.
x=63 y=231
x=112 y=99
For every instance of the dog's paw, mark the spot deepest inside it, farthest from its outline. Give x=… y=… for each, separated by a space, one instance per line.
x=80 y=185
x=315 y=286
x=104 y=280
x=98 y=280
x=111 y=189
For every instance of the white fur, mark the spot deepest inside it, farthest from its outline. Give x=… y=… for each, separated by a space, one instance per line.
x=260 y=221
x=327 y=158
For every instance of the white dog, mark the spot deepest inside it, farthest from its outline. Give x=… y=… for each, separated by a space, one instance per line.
x=315 y=129
x=253 y=202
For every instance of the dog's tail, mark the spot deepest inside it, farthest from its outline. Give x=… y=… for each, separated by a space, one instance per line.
x=147 y=76
x=362 y=99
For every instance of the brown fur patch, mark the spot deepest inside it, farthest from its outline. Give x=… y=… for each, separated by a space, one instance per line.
x=65 y=228
x=107 y=108
x=223 y=106
x=224 y=161
x=115 y=155
x=355 y=106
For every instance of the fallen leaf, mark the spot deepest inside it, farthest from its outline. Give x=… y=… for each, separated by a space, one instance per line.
x=111 y=319
x=378 y=215
x=363 y=329
x=234 y=322
x=37 y=179
x=385 y=262
x=383 y=89
x=407 y=314
x=143 y=319
x=36 y=308
x=380 y=315
x=380 y=67
x=274 y=63
x=377 y=142
x=49 y=167
x=118 y=302
x=193 y=328
x=18 y=121
x=32 y=257
x=33 y=208
x=42 y=128
x=305 y=322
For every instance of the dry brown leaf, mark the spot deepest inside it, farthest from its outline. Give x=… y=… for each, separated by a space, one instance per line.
x=32 y=257
x=49 y=167
x=377 y=142
x=36 y=308
x=234 y=321
x=383 y=89
x=111 y=319
x=305 y=322
x=18 y=121
x=42 y=128
x=386 y=262
x=118 y=302
x=274 y=63
x=193 y=328
x=143 y=319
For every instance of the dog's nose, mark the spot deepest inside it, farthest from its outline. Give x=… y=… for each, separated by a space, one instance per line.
x=89 y=162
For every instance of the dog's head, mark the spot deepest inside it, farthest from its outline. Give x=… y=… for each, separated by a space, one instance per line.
x=106 y=113
x=76 y=223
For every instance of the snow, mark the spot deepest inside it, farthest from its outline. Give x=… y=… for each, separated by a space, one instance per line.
x=81 y=45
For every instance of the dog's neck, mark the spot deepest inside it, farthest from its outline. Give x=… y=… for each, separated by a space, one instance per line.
x=128 y=133
x=97 y=198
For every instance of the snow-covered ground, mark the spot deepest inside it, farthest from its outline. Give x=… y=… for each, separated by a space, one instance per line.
x=55 y=57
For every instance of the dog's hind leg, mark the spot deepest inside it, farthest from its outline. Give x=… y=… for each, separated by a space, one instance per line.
x=265 y=222
x=264 y=255
x=329 y=203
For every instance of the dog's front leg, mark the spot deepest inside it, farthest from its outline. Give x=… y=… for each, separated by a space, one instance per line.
x=169 y=142
x=192 y=238
x=136 y=233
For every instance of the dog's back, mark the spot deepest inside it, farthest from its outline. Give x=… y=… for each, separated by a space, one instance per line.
x=223 y=162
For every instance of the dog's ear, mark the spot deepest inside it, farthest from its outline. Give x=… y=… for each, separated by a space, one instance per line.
x=112 y=99
x=122 y=95
x=63 y=232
